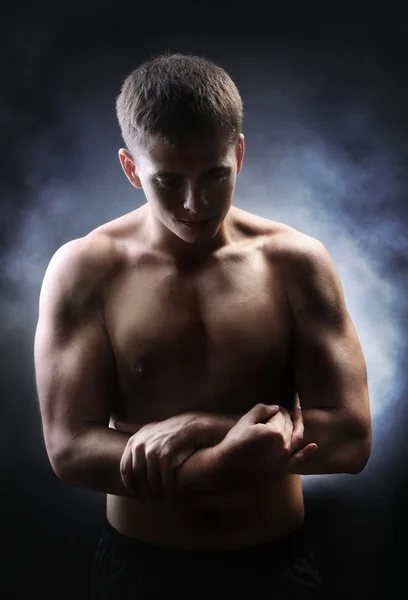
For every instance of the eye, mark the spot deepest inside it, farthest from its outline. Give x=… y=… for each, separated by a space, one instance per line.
x=217 y=175
x=167 y=182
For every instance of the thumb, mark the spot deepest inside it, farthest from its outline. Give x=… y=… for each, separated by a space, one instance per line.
x=302 y=455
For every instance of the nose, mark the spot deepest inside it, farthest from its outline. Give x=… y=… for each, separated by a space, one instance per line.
x=195 y=201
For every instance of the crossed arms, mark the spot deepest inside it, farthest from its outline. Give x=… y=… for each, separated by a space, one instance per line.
x=76 y=380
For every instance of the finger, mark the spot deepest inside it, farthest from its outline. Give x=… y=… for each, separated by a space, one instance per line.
x=301 y=455
x=298 y=426
x=169 y=466
x=139 y=471
x=153 y=475
x=287 y=430
x=168 y=475
x=124 y=427
x=260 y=413
x=126 y=471
x=296 y=401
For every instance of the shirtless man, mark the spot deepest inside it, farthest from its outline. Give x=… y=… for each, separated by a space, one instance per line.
x=172 y=349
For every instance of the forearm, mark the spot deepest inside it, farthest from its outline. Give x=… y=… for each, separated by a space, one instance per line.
x=204 y=471
x=92 y=460
x=214 y=428
x=342 y=447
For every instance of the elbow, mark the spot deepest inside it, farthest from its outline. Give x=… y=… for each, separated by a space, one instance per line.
x=362 y=456
x=60 y=464
x=60 y=457
x=360 y=449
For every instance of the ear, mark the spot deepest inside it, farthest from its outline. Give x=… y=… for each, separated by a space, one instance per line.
x=240 y=151
x=129 y=167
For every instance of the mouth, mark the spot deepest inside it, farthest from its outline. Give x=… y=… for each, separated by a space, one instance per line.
x=195 y=224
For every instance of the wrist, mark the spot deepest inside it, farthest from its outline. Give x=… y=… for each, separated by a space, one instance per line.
x=212 y=428
x=222 y=472
x=200 y=471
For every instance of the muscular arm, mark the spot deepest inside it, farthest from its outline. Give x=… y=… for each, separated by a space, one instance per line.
x=75 y=372
x=92 y=459
x=330 y=370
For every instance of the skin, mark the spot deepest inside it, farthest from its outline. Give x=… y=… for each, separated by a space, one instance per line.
x=154 y=173
x=192 y=336
x=194 y=189
x=152 y=457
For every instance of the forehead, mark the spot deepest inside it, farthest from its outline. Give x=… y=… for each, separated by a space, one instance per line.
x=173 y=157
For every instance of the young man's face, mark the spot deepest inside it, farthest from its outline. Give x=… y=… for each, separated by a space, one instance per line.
x=194 y=183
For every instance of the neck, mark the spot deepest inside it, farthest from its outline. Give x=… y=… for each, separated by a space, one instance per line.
x=185 y=254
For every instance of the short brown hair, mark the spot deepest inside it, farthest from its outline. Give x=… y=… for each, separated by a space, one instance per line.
x=178 y=98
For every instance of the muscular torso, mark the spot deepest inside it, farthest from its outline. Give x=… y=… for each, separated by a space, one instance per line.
x=214 y=338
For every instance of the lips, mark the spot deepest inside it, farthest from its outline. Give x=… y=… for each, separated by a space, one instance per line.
x=195 y=224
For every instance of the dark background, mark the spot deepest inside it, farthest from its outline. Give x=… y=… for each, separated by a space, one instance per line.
x=325 y=96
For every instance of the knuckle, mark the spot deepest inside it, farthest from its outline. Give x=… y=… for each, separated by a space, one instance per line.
x=273 y=438
x=195 y=426
x=260 y=432
x=165 y=454
x=261 y=409
x=134 y=445
x=280 y=437
x=150 y=454
x=271 y=434
x=286 y=447
x=124 y=470
x=282 y=442
x=138 y=449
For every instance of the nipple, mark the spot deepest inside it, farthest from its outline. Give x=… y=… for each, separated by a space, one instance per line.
x=140 y=367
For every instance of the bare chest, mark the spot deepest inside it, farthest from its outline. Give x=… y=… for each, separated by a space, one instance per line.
x=217 y=340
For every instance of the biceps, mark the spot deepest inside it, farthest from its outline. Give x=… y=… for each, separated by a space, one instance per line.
x=330 y=369
x=75 y=382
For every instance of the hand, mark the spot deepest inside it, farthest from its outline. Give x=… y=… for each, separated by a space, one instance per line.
x=293 y=453
x=155 y=450
x=265 y=437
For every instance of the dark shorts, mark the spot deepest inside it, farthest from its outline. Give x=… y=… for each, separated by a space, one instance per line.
x=124 y=568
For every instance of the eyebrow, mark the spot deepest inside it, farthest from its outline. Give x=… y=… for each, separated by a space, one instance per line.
x=212 y=170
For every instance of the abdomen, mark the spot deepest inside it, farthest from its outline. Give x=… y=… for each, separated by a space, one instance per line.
x=261 y=512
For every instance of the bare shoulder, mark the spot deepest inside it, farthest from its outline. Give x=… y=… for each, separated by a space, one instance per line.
x=85 y=256
x=255 y=226
x=78 y=268
x=295 y=249
x=277 y=236
x=307 y=270
x=284 y=245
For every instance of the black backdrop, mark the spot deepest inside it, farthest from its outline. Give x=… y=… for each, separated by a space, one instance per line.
x=325 y=96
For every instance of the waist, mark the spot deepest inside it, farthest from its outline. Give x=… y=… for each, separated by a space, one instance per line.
x=268 y=556
x=239 y=518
